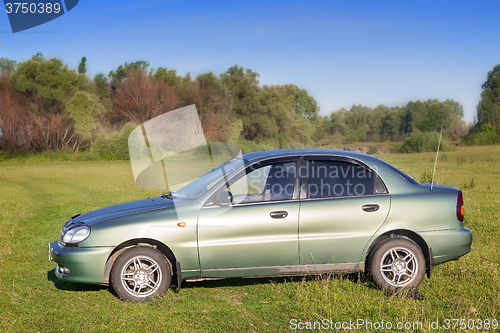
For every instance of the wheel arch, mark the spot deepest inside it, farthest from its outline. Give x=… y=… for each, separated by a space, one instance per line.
x=164 y=249
x=403 y=233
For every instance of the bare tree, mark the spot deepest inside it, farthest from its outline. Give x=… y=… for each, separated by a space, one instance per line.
x=215 y=111
x=140 y=98
x=12 y=123
x=51 y=132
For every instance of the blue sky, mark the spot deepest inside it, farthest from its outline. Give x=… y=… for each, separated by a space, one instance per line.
x=342 y=52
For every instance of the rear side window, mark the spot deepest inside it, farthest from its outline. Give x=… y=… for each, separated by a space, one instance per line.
x=402 y=174
x=340 y=179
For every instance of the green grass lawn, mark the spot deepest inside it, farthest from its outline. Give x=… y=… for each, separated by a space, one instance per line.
x=36 y=198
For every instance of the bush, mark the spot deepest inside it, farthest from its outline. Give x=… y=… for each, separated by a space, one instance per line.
x=423 y=142
x=426 y=176
x=487 y=135
x=111 y=147
x=350 y=139
x=248 y=146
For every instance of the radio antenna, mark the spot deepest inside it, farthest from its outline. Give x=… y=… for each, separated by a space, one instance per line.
x=437 y=153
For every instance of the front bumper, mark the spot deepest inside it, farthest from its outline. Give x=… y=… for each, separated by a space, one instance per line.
x=79 y=264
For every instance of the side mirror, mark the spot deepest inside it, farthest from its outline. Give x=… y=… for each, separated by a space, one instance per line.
x=224 y=198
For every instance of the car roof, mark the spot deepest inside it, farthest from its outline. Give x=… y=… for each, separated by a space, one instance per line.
x=260 y=155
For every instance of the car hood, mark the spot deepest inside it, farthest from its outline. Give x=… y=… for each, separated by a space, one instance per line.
x=127 y=208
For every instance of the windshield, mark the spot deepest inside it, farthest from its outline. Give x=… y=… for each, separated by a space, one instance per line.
x=204 y=183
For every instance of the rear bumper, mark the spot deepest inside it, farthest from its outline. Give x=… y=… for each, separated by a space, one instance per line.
x=448 y=244
x=79 y=264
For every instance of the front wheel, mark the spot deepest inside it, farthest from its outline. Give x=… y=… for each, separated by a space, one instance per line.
x=397 y=264
x=140 y=274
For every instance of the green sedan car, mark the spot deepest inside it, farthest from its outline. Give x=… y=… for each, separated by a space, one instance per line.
x=271 y=213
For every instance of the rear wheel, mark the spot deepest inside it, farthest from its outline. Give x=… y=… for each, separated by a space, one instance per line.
x=397 y=264
x=140 y=274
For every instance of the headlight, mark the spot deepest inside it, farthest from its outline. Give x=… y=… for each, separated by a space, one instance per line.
x=76 y=235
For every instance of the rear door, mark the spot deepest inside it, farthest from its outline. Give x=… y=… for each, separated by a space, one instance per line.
x=343 y=203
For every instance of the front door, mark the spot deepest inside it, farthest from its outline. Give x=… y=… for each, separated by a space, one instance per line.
x=257 y=232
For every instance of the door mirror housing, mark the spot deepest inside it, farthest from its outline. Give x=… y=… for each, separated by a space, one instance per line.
x=224 y=198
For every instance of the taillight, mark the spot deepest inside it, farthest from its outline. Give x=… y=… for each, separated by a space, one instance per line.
x=460 y=207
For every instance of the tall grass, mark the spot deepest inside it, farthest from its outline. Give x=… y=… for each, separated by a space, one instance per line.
x=37 y=198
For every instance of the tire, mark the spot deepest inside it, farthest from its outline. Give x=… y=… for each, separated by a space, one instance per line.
x=397 y=264
x=140 y=274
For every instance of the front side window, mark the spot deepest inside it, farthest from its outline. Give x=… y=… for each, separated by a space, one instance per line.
x=339 y=179
x=267 y=183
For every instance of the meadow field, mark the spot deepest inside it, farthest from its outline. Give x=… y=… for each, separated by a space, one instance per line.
x=36 y=198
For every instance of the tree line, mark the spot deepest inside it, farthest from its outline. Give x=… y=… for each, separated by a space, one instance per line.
x=47 y=106
x=362 y=123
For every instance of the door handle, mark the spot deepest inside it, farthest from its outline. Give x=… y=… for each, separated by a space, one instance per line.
x=280 y=214
x=370 y=208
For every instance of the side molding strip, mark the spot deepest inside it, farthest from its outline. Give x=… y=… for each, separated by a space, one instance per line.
x=312 y=269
